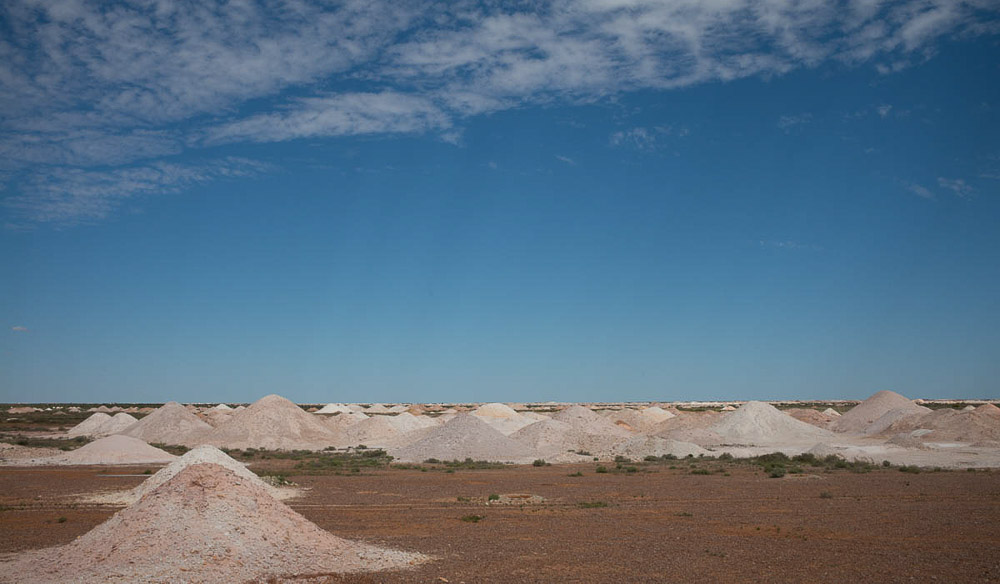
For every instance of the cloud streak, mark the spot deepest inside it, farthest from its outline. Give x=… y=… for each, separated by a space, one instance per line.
x=113 y=89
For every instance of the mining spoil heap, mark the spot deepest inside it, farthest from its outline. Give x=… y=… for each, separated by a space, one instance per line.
x=90 y=426
x=115 y=449
x=272 y=423
x=758 y=423
x=206 y=524
x=199 y=455
x=170 y=423
x=860 y=418
x=465 y=436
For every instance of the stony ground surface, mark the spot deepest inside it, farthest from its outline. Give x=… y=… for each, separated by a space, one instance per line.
x=658 y=525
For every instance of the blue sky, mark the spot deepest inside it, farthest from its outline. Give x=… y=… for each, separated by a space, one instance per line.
x=599 y=200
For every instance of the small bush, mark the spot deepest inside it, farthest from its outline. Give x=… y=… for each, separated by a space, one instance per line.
x=592 y=504
x=777 y=472
x=432 y=461
x=886 y=463
x=540 y=462
x=601 y=469
x=701 y=471
x=575 y=474
x=826 y=495
x=493 y=497
x=147 y=471
x=472 y=518
x=914 y=469
x=61 y=520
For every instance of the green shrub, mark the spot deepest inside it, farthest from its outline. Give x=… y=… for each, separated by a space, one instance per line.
x=701 y=471
x=777 y=472
x=473 y=518
x=493 y=497
x=540 y=462
x=592 y=504
x=601 y=469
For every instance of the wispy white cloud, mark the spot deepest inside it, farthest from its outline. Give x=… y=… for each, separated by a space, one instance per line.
x=883 y=110
x=88 y=85
x=920 y=190
x=788 y=122
x=19 y=329
x=73 y=195
x=956 y=185
x=788 y=244
x=565 y=159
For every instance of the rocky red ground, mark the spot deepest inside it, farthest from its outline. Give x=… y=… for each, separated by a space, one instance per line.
x=658 y=525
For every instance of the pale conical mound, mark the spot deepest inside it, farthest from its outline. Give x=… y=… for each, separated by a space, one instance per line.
x=589 y=422
x=170 y=423
x=496 y=410
x=858 y=419
x=118 y=423
x=209 y=525
x=758 y=423
x=272 y=423
x=465 y=436
x=89 y=426
x=115 y=449
x=199 y=455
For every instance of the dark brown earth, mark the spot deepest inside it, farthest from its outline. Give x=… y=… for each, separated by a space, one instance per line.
x=659 y=525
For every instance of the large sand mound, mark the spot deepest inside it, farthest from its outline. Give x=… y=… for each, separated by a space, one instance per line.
x=170 y=423
x=947 y=425
x=375 y=431
x=118 y=423
x=206 y=524
x=758 y=423
x=273 y=423
x=115 y=449
x=465 y=436
x=860 y=417
x=589 y=422
x=89 y=426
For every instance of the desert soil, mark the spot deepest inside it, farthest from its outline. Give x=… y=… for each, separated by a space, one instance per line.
x=658 y=526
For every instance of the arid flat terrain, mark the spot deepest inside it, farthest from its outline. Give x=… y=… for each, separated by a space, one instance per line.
x=656 y=524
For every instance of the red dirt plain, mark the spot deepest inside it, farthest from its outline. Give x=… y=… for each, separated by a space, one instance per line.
x=659 y=525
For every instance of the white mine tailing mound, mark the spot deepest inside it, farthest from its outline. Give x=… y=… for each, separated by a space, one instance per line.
x=199 y=455
x=223 y=407
x=549 y=437
x=272 y=423
x=860 y=417
x=639 y=420
x=758 y=423
x=111 y=450
x=589 y=422
x=980 y=425
x=170 y=423
x=465 y=436
x=208 y=525
x=831 y=412
x=89 y=426
x=375 y=431
x=340 y=422
x=376 y=409
x=496 y=410
x=989 y=410
x=334 y=409
x=118 y=423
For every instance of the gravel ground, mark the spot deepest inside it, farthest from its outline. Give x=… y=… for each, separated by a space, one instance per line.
x=659 y=525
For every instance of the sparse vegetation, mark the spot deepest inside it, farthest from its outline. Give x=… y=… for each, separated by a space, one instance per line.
x=473 y=518
x=591 y=504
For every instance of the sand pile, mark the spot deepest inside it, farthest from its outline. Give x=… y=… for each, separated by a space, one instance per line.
x=199 y=455
x=948 y=425
x=376 y=409
x=758 y=423
x=9 y=453
x=215 y=417
x=549 y=438
x=89 y=426
x=272 y=423
x=223 y=407
x=858 y=419
x=989 y=410
x=465 y=436
x=639 y=447
x=831 y=412
x=502 y=417
x=340 y=422
x=117 y=449
x=334 y=409
x=375 y=431
x=118 y=423
x=170 y=423
x=811 y=416
x=589 y=422
x=642 y=420
x=206 y=524
x=22 y=410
